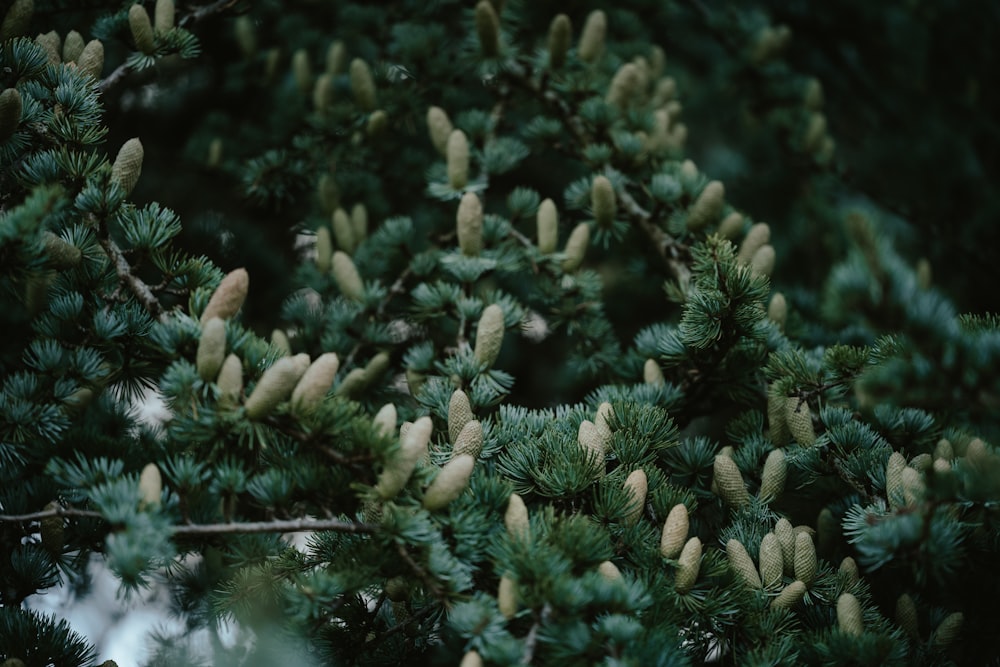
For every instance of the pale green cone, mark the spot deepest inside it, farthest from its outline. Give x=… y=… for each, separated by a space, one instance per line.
x=397 y=471
x=652 y=374
x=576 y=247
x=625 y=86
x=805 y=559
x=560 y=36
x=469 y=225
x=913 y=486
x=52 y=44
x=591 y=44
x=315 y=383
x=302 y=71
x=353 y=383
x=469 y=441
x=142 y=29
x=324 y=249
x=487 y=29
x=230 y=381
x=471 y=659
x=789 y=596
x=459 y=414
x=609 y=571
x=246 y=35
x=363 y=85
x=944 y=450
x=489 y=335
x=906 y=616
x=322 y=93
x=948 y=630
x=150 y=485
x=731 y=226
x=211 y=349
x=128 y=165
x=17 y=19
x=336 y=57
x=849 y=570
x=457 y=154
x=516 y=520
x=548 y=227
x=346 y=275
x=786 y=540
x=359 y=222
x=688 y=565
x=730 y=482
x=602 y=427
x=439 y=128
x=163 y=15
x=812 y=140
x=762 y=262
x=279 y=340
x=771 y=563
x=385 y=420
x=343 y=230
x=590 y=441
x=707 y=207
x=850 y=618
x=742 y=564
x=758 y=236
x=636 y=486
x=328 y=193
x=450 y=482
x=773 y=476
x=603 y=201
x=799 y=420
x=228 y=297
x=812 y=98
x=507 y=596
x=777 y=310
x=894 y=479
x=274 y=386
x=675 y=531
x=91 y=60
x=59 y=253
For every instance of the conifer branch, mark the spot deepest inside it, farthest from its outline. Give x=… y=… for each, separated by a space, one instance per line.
x=139 y=288
x=430 y=582
x=48 y=514
x=276 y=526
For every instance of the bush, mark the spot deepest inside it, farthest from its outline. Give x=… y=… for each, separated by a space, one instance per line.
x=526 y=377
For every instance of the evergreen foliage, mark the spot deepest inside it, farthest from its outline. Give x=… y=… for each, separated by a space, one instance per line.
x=439 y=285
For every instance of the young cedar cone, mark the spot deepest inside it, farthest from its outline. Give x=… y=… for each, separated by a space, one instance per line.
x=10 y=113
x=707 y=207
x=274 y=386
x=913 y=486
x=385 y=420
x=211 y=349
x=758 y=235
x=812 y=140
x=625 y=87
x=601 y=426
x=51 y=43
x=469 y=223
x=849 y=571
x=652 y=374
x=812 y=98
x=515 y=519
x=592 y=38
x=328 y=193
x=636 y=485
x=688 y=565
x=548 y=227
x=730 y=482
x=128 y=165
x=609 y=571
x=560 y=35
x=789 y=596
x=397 y=471
x=91 y=60
x=17 y=19
x=439 y=129
x=142 y=29
x=742 y=564
x=315 y=383
x=906 y=616
x=336 y=58
x=762 y=262
x=459 y=414
x=948 y=630
x=731 y=226
x=469 y=441
x=944 y=450
x=214 y=158
x=771 y=563
x=449 y=483
x=343 y=230
x=322 y=93
x=602 y=201
x=786 y=540
x=590 y=441
x=489 y=335
x=799 y=420
x=359 y=222
x=675 y=531
x=246 y=35
x=850 y=619
x=52 y=530
x=230 y=381
x=507 y=596
x=457 y=155
x=576 y=247
x=163 y=15
x=324 y=249
x=772 y=481
x=777 y=310
x=894 y=479
x=363 y=85
x=150 y=486
x=776 y=416
x=279 y=341
x=805 y=559
x=228 y=297
x=346 y=275
x=488 y=29
x=302 y=71
x=471 y=659
x=352 y=383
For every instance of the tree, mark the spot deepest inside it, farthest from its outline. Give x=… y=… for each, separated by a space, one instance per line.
x=525 y=376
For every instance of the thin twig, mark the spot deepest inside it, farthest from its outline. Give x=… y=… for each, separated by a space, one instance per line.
x=430 y=582
x=532 y=639
x=124 y=270
x=47 y=514
x=289 y=526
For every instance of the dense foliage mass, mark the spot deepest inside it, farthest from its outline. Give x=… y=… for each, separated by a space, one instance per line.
x=480 y=297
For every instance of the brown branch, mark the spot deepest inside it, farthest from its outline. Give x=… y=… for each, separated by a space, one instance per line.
x=124 y=270
x=430 y=582
x=48 y=514
x=289 y=526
